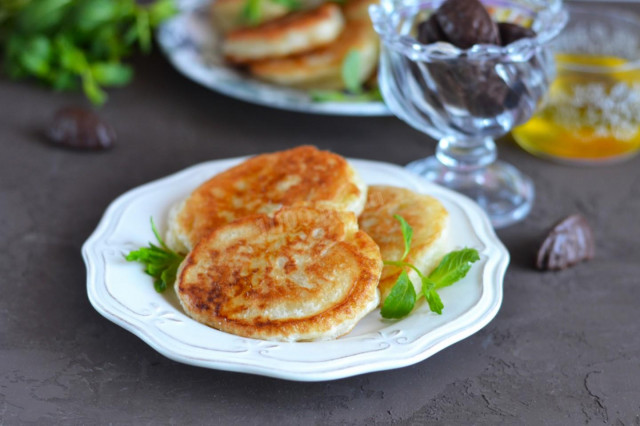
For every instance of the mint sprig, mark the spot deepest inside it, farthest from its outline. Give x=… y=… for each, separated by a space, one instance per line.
x=160 y=261
x=77 y=44
x=402 y=297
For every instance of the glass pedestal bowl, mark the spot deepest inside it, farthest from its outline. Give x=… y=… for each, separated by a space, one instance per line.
x=466 y=98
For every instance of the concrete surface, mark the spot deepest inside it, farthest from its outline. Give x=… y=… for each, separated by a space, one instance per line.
x=563 y=350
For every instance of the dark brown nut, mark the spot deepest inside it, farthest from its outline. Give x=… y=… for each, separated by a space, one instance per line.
x=429 y=31
x=513 y=32
x=80 y=128
x=569 y=242
x=467 y=22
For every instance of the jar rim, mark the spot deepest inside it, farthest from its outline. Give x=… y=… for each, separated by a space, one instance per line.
x=602 y=14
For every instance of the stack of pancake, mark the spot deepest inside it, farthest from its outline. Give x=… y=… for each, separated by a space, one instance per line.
x=276 y=252
x=305 y=48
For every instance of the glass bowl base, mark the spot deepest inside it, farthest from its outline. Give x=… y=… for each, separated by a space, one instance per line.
x=504 y=193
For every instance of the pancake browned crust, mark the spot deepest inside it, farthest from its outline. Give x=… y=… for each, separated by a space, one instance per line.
x=426 y=215
x=301 y=274
x=263 y=184
x=227 y=15
x=291 y=34
x=322 y=68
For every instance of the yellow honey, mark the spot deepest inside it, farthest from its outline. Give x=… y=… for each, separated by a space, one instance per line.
x=592 y=111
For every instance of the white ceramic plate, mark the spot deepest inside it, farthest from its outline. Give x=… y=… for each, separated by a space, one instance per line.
x=121 y=292
x=192 y=46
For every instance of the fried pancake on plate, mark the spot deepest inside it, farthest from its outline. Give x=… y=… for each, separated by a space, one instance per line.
x=263 y=184
x=322 y=68
x=429 y=220
x=291 y=34
x=301 y=274
x=358 y=10
x=227 y=15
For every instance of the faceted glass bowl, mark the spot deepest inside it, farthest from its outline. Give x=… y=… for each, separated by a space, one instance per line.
x=467 y=97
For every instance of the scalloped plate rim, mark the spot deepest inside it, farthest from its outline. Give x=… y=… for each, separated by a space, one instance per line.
x=246 y=88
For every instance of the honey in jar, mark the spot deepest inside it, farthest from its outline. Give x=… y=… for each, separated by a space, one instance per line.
x=591 y=114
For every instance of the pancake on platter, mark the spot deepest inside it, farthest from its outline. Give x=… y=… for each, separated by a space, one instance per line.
x=299 y=274
x=322 y=68
x=429 y=220
x=291 y=34
x=262 y=184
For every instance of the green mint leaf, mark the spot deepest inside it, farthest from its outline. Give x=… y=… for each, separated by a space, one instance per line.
x=289 y=4
x=92 y=90
x=434 y=301
x=351 y=72
x=407 y=234
x=36 y=56
x=40 y=16
x=338 y=96
x=400 y=300
x=160 y=262
x=453 y=267
x=161 y=10
x=252 y=12
x=111 y=73
x=88 y=15
x=157 y=235
x=143 y=30
x=64 y=80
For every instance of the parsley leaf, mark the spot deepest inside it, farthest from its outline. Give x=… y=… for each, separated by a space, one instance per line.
x=401 y=299
x=452 y=268
x=160 y=262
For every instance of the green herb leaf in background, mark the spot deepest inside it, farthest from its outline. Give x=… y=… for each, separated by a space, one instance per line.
x=351 y=72
x=252 y=12
x=71 y=44
x=160 y=262
x=289 y=4
x=372 y=95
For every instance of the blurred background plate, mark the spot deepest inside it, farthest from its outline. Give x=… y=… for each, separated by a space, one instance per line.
x=192 y=45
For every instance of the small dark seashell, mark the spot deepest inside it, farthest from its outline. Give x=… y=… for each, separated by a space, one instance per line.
x=80 y=128
x=569 y=242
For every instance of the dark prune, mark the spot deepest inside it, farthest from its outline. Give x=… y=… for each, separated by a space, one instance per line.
x=429 y=31
x=467 y=22
x=513 y=32
x=80 y=128
x=569 y=242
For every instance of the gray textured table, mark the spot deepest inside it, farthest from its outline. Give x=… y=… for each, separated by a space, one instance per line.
x=564 y=348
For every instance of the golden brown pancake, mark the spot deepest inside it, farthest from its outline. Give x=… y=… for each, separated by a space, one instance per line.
x=301 y=274
x=322 y=68
x=263 y=184
x=289 y=35
x=429 y=221
x=227 y=15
